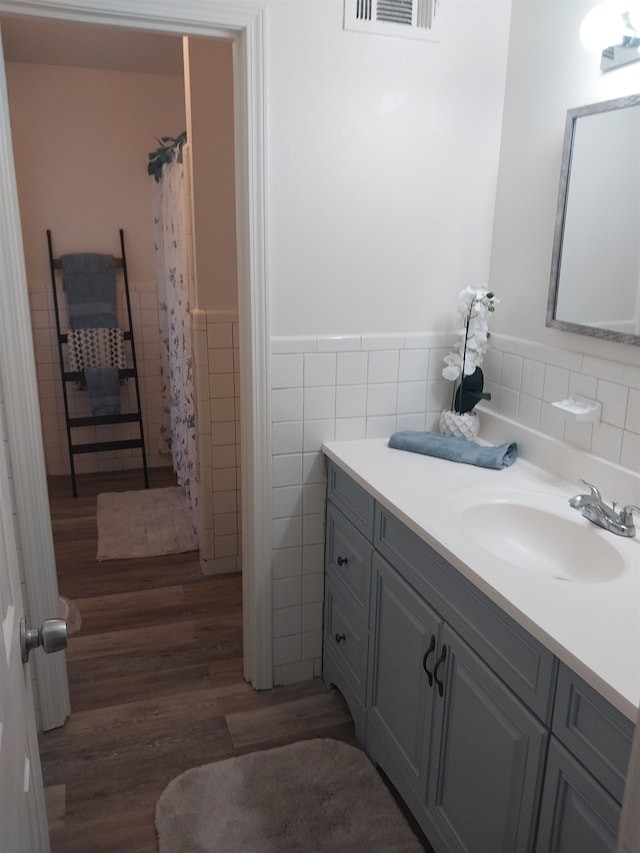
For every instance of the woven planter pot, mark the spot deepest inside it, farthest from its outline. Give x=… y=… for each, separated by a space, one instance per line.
x=462 y=426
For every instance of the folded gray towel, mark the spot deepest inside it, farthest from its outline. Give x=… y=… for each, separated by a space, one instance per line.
x=454 y=448
x=103 y=385
x=89 y=281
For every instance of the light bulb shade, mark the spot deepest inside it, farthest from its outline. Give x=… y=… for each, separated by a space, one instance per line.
x=604 y=25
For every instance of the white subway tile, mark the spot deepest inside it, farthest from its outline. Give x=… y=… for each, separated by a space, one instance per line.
x=351 y=401
x=348 y=429
x=511 y=374
x=287 y=371
x=382 y=399
x=380 y=427
x=313 y=529
x=287 y=621
x=603 y=369
x=319 y=369
x=287 y=404
x=313 y=498
x=313 y=588
x=313 y=467
x=312 y=647
x=607 y=442
x=552 y=421
x=312 y=617
x=630 y=453
x=412 y=397
x=578 y=434
x=286 y=532
x=319 y=403
x=316 y=432
x=313 y=559
x=614 y=402
x=287 y=470
x=529 y=409
x=286 y=562
x=383 y=366
x=532 y=378
x=287 y=592
x=632 y=421
x=565 y=358
x=286 y=437
x=352 y=368
x=508 y=402
x=436 y=362
x=631 y=376
x=287 y=650
x=492 y=366
x=410 y=422
x=556 y=384
x=585 y=386
x=286 y=501
x=413 y=365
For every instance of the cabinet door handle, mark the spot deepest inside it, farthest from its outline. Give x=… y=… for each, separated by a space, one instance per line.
x=340 y=638
x=430 y=651
x=342 y=561
x=441 y=660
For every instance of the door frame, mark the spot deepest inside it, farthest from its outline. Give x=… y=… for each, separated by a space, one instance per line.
x=244 y=23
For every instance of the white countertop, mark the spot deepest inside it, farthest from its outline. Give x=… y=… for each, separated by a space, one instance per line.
x=593 y=626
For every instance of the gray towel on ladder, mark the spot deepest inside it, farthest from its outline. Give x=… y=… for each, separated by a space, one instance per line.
x=89 y=281
x=103 y=385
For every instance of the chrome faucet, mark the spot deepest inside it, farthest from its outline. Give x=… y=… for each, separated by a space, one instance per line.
x=618 y=521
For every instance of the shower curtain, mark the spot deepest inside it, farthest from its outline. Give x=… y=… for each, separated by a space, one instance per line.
x=178 y=417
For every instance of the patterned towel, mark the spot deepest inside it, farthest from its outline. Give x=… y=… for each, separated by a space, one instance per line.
x=96 y=348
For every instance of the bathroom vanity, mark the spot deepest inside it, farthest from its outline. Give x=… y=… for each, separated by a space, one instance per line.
x=499 y=699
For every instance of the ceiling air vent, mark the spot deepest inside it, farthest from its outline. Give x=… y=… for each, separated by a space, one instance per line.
x=408 y=18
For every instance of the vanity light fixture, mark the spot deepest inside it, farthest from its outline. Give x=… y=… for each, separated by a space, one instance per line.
x=612 y=29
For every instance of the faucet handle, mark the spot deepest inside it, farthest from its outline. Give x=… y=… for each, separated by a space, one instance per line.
x=595 y=493
x=626 y=513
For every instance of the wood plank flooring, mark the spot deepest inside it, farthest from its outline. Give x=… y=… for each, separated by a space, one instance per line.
x=156 y=682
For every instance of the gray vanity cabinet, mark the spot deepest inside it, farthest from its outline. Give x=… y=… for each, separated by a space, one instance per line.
x=494 y=745
x=486 y=757
x=586 y=769
x=401 y=697
x=460 y=747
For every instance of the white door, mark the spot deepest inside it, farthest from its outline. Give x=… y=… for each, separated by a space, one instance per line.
x=23 y=826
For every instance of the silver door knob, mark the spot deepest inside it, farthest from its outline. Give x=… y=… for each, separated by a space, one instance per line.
x=52 y=636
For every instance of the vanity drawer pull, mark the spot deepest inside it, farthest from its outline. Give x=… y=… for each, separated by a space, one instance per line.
x=342 y=561
x=340 y=638
x=430 y=651
x=441 y=660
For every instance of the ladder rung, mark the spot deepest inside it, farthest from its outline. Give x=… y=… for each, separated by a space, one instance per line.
x=78 y=376
x=97 y=446
x=102 y=420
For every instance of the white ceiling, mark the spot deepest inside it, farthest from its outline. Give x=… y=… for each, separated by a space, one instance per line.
x=51 y=42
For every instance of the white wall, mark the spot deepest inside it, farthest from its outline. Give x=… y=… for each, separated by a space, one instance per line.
x=81 y=139
x=548 y=73
x=382 y=167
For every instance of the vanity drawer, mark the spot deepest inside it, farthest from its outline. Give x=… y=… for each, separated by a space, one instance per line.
x=348 y=557
x=346 y=636
x=596 y=733
x=351 y=499
x=523 y=663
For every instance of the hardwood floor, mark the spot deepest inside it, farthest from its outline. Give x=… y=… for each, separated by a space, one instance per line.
x=156 y=682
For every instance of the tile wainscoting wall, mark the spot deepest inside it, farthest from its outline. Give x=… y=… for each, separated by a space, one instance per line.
x=368 y=386
x=216 y=353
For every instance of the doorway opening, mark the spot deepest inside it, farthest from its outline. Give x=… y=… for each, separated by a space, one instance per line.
x=246 y=31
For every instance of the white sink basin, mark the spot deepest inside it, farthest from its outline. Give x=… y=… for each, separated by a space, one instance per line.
x=541 y=534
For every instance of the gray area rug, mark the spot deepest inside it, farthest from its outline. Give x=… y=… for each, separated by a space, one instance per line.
x=144 y=523
x=315 y=796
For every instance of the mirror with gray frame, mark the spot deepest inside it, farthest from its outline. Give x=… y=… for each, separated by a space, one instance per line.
x=595 y=268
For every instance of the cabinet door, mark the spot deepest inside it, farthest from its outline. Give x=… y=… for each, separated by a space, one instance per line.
x=485 y=771
x=404 y=639
x=577 y=814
